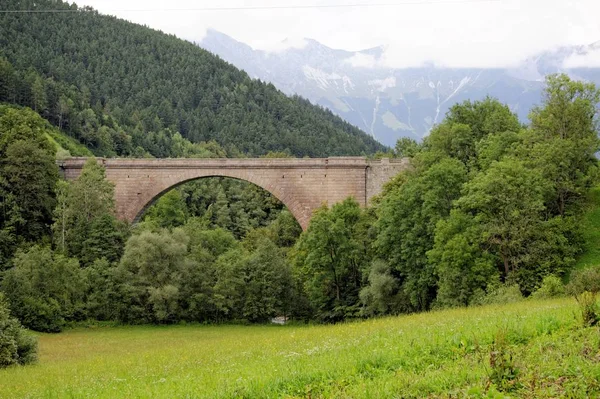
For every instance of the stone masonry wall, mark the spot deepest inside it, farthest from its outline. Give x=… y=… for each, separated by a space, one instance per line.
x=302 y=185
x=382 y=171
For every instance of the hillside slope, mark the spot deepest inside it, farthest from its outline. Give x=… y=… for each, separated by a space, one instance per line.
x=84 y=71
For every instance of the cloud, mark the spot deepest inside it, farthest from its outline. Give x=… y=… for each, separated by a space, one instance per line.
x=297 y=43
x=589 y=60
x=449 y=33
x=360 y=60
x=382 y=85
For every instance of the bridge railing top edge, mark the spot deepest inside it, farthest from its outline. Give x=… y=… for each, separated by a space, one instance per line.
x=76 y=163
x=384 y=161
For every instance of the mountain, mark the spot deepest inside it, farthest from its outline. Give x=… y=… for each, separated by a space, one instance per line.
x=124 y=89
x=391 y=103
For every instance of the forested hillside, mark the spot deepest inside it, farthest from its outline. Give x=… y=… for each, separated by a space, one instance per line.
x=124 y=89
x=491 y=211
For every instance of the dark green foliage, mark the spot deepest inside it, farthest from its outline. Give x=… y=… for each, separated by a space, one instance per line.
x=407 y=147
x=102 y=294
x=169 y=211
x=199 y=275
x=28 y=175
x=589 y=228
x=380 y=296
x=255 y=285
x=489 y=200
x=222 y=211
x=193 y=274
x=105 y=238
x=488 y=210
x=124 y=89
x=466 y=124
x=149 y=276
x=211 y=243
x=507 y=202
x=462 y=268
x=44 y=289
x=408 y=215
x=85 y=226
x=563 y=141
x=494 y=147
x=234 y=205
x=503 y=371
x=16 y=345
x=331 y=256
x=285 y=230
x=551 y=287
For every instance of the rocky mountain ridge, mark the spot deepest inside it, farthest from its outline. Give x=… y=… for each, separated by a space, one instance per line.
x=389 y=103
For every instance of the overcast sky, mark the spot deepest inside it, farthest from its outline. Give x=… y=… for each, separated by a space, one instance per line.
x=456 y=33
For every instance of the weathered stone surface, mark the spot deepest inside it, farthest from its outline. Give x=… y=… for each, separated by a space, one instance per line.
x=301 y=184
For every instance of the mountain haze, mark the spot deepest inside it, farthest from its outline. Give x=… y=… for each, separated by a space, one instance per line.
x=389 y=103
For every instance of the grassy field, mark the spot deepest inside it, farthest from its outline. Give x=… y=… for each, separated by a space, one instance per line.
x=530 y=349
x=591 y=232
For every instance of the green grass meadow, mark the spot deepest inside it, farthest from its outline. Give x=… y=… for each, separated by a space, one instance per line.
x=439 y=354
x=590 y=229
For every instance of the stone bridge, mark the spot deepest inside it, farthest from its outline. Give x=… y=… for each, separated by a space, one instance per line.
x=302 y=185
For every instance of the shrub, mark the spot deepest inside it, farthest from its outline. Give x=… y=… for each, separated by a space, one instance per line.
x=504 y=373
x=379 y=296
x=584 y=286
x=551 y=287
x=501 y=294
x=585 y=280
x=589 y=308
x=102 y=295
x=44 y=289
x=16 y=345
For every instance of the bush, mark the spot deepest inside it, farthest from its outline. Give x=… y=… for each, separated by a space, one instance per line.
x=44 y=289
x=379 y=296
x=551 y=287
x=16 y=345
x=501 y=294
x=584 y=286
x=503 y=371
x=102 y=294
x=584 y=280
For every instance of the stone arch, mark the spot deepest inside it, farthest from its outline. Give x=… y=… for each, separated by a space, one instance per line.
x=274 y=190
x=137 y=189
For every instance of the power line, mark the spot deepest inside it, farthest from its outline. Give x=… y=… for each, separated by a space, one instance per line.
x=260 y=8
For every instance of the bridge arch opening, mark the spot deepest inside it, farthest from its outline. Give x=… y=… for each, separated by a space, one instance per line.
x=232 y=203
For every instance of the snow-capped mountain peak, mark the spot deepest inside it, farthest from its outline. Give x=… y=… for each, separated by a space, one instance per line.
x=391 y=103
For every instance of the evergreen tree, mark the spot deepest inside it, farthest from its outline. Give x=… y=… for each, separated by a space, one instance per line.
x=221 y=211
x=85 y=226
x=28 y=175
